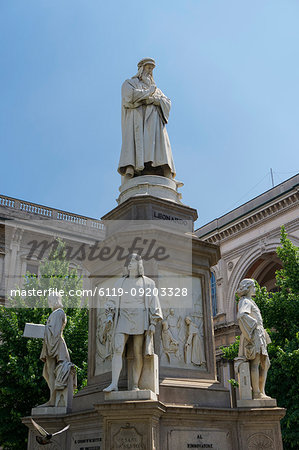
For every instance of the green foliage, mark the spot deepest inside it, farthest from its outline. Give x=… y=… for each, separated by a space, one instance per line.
x=21 y=383
x=233 y=382
x=231 y=352
x=280 y=312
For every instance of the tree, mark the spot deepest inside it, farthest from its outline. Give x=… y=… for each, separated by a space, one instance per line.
x=280 y=312
x=21 y=383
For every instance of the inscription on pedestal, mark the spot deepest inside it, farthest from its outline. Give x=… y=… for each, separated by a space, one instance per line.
x=87 y=441
x=127 y=438
x=180 y=439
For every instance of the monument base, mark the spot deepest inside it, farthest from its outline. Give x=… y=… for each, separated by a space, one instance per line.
x=153 y=425
x=154 y=185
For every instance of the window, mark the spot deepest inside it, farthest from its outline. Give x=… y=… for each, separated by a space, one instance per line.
x=2 y=275
x=214 y=294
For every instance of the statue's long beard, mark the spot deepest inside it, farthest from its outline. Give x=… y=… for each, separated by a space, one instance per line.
x=148 y=80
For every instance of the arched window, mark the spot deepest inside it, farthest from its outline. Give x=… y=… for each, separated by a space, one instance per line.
x=214 y=294
x=263 y=270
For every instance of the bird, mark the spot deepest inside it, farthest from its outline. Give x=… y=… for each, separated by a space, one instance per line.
x=45 y=437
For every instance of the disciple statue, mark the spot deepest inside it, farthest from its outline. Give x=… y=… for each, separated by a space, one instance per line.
x=57 y=365
x=134 y=312
x=145 y=110
x=194 y=349
x=254 y=338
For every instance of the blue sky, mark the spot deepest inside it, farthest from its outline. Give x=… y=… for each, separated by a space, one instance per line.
x=231 y=69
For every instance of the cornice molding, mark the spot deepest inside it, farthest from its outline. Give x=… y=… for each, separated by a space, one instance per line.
x=268 y=211
x=269 y=238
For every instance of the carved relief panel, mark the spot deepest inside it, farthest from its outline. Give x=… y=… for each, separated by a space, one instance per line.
x=182 y=330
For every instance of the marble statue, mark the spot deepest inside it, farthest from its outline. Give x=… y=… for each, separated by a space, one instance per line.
x=145 y=110
x=169 y=343
x=57 y=365
x=133 y=314
x=254 y=338
x=194 y=348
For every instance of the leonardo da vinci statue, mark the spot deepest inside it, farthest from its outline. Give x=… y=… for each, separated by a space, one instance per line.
x=145 y=110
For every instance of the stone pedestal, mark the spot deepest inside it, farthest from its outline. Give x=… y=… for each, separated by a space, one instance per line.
x=153 y=425
x=130 y=425
x=130 y=396
x=153 y=185
x=49 y=410
x=242 y=370
x=63 y=401
x=257 y=403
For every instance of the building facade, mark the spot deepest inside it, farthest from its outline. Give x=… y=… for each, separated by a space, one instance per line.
x=248 y=237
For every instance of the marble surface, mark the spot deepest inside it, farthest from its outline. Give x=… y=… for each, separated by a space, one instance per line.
x=257 y=403
x=34 y=330
x=124 y=396
x=132 y=314
x=253 y=341
x=154 y=185
x=49 y=410
x=145 y=111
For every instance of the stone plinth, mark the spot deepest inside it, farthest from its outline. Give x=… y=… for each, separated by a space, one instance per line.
x=63 y=401
x=257 y=403
x=126 y=396
x=49 y=410
x=242 y=370
x=131 y=425
x=154 y=185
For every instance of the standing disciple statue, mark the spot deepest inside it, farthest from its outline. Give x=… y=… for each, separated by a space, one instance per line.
x=135 y=312
x=57 y=365
x=145 y=110
x=254 y=338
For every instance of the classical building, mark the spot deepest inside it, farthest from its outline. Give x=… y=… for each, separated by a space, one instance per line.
x=27 y=232
x=248 y=237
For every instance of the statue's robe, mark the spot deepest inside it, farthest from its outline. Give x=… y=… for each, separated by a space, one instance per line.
x=144 y=135
x=194 y=351
x=254 y=338
x=54 y=347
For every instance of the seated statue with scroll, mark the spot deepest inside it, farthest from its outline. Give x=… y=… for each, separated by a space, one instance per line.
x=58 y=371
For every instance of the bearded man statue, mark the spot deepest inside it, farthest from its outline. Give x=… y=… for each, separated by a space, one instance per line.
x=145 y=110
